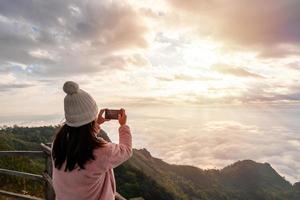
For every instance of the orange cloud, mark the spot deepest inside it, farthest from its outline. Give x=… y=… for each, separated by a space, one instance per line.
x=269 y=27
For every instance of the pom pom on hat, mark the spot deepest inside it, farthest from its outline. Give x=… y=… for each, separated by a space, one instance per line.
x=80 y=107
x=70 y=87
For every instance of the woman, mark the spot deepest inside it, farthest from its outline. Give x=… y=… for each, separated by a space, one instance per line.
x=82 y=163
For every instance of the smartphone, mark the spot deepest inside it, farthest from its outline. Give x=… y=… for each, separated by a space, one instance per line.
x=112 y=114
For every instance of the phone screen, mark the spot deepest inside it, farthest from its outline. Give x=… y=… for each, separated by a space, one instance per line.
x=111 y=114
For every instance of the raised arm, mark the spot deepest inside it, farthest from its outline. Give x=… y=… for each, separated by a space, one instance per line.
x=123 y=151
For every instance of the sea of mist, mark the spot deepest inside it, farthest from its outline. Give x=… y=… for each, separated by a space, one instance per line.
x=207 y=136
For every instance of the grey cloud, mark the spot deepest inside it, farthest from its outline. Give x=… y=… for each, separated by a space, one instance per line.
x=144 y=101
x=262 y=93
x=278 y=51
x=116 y=62
x=164 y=78
x=235 y=71
x=6 y=69
x=80 y=64
x=185 y=77
x=79 y=35
x=121 y=62
x=17 y=38
x=120 y=27
x=39 y=13
x=172 y=43
x=256 y=94
x=9 y=87
x=292 y=96
x=169 y=51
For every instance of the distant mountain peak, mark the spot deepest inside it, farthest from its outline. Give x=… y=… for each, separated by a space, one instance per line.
x=248 y=163
x=145 y=152
x=245 y=162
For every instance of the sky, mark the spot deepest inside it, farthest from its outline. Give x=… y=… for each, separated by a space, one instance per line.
x=222 y=74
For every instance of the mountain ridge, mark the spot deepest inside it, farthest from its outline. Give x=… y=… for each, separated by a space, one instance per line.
x=236 y=181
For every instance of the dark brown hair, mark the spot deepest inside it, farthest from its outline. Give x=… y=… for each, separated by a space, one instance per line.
x=75 y=145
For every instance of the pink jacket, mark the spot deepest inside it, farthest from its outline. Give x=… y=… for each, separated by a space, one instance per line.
x=96 y=181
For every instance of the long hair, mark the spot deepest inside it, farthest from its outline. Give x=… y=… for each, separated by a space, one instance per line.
x=74 y=145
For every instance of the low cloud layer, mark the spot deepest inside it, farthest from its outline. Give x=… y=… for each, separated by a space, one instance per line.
x=220 y=143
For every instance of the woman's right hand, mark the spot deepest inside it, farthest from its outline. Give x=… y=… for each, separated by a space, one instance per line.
x=101 y=119
x=122 y=117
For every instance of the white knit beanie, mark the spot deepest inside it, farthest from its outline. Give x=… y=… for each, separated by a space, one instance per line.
x=80 y=107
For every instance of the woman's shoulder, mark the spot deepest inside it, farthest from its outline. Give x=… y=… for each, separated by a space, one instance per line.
x=105 y=148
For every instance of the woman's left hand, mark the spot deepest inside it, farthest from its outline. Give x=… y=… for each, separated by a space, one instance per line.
x=100 y=119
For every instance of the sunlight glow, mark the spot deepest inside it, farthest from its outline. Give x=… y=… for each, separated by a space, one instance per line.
x=202 y=54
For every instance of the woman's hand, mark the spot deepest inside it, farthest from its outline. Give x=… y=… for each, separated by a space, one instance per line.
x=96 y=128
x=122 y=117
x=100 y=119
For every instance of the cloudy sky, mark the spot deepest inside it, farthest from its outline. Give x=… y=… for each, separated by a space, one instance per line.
x=146 y=57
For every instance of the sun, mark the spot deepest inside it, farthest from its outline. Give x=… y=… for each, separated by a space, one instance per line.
x=201 y=54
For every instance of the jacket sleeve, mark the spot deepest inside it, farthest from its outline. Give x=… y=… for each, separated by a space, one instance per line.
x=121 y=152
